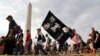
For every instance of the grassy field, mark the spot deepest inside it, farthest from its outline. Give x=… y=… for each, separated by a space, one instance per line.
x=97 y=54
x=69 y=55
x=59 y=54
x=80 y=55
x=64 y=54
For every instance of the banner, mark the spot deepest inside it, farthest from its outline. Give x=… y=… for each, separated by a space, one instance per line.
x=56 y=28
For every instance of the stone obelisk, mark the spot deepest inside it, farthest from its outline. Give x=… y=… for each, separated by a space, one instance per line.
x=28 y=20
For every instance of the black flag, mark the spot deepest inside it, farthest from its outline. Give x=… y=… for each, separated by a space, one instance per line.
x=56 y=28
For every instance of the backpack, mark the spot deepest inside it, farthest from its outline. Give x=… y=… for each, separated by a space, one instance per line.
x=18 y=28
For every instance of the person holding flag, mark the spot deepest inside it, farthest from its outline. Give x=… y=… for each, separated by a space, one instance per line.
x=40 y=40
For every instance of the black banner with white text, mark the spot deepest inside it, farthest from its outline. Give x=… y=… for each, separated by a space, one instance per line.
x=58 y=30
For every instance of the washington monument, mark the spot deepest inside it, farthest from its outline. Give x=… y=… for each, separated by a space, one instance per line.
x=28 y=20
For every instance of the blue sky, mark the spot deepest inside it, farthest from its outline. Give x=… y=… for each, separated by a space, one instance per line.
x=78 y=14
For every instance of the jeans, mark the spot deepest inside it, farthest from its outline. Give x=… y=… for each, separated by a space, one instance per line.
x=19 y=48
x=40 y=48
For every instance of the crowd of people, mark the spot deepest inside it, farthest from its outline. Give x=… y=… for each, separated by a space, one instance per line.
x=78 y=45
x=12 y=44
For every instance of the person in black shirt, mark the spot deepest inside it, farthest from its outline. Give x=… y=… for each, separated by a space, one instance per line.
x=96 y=38
x=10 y=38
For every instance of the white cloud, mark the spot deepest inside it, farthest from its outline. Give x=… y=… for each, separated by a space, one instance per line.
x=34 y=1
x=36 y=10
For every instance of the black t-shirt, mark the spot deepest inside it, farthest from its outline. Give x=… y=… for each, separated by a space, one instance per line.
x=12 y=24
x=94 y=35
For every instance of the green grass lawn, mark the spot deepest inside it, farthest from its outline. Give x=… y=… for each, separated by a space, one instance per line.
x=64 y=54
x=59 y=54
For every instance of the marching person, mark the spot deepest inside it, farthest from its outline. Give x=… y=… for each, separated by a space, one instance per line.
x=28 y=43
x=40 y=39
x=1 y=44
x=75 y=40
x=96 y=38
x=48 y=43
x=90 y=40
x=19 y=43
x=10 y=38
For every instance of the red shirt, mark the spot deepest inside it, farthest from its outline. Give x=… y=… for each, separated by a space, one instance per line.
x=1 y=49
x=28 y=36
x=75 y=38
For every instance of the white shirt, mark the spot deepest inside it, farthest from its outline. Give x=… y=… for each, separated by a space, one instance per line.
x=40 y=41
